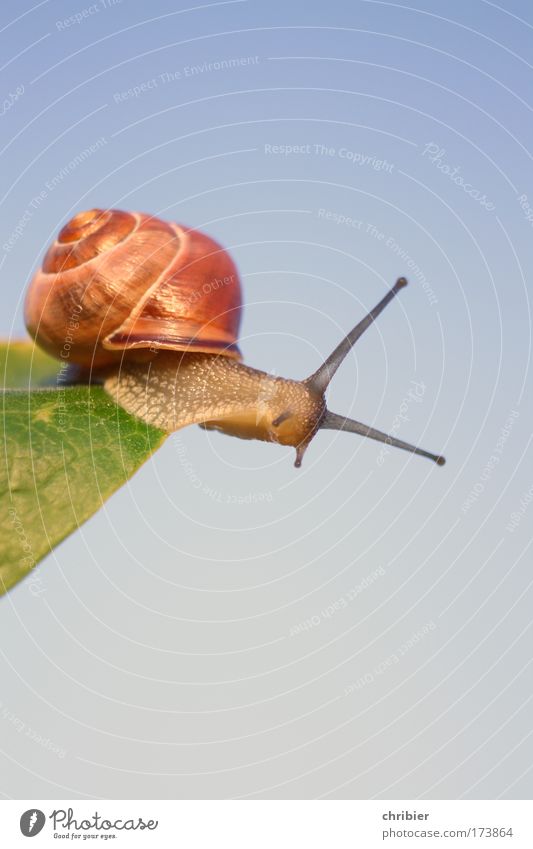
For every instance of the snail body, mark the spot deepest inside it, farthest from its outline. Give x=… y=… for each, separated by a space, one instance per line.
x=158 y=311
x=219 y=393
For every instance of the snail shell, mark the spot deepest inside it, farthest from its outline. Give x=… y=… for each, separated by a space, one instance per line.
x=121 y=284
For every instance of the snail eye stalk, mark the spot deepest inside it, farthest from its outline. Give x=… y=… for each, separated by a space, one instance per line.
x=332 y=421
x=320 y=380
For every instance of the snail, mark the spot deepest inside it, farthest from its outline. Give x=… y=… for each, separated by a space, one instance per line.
x=156 y=309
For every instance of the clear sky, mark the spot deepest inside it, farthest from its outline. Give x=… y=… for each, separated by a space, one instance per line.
x=331 y=147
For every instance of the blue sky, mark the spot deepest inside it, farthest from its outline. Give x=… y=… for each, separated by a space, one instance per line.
x=332 y=148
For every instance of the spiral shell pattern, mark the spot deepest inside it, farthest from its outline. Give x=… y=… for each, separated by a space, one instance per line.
x=119 y=285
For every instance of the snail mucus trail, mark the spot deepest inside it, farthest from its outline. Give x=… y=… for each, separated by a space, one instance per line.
x=165 y=354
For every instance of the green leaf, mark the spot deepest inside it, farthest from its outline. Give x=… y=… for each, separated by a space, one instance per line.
x=23 y=364
x=65 y=452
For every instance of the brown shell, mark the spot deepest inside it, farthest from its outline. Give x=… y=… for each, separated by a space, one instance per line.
x=115 y=284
